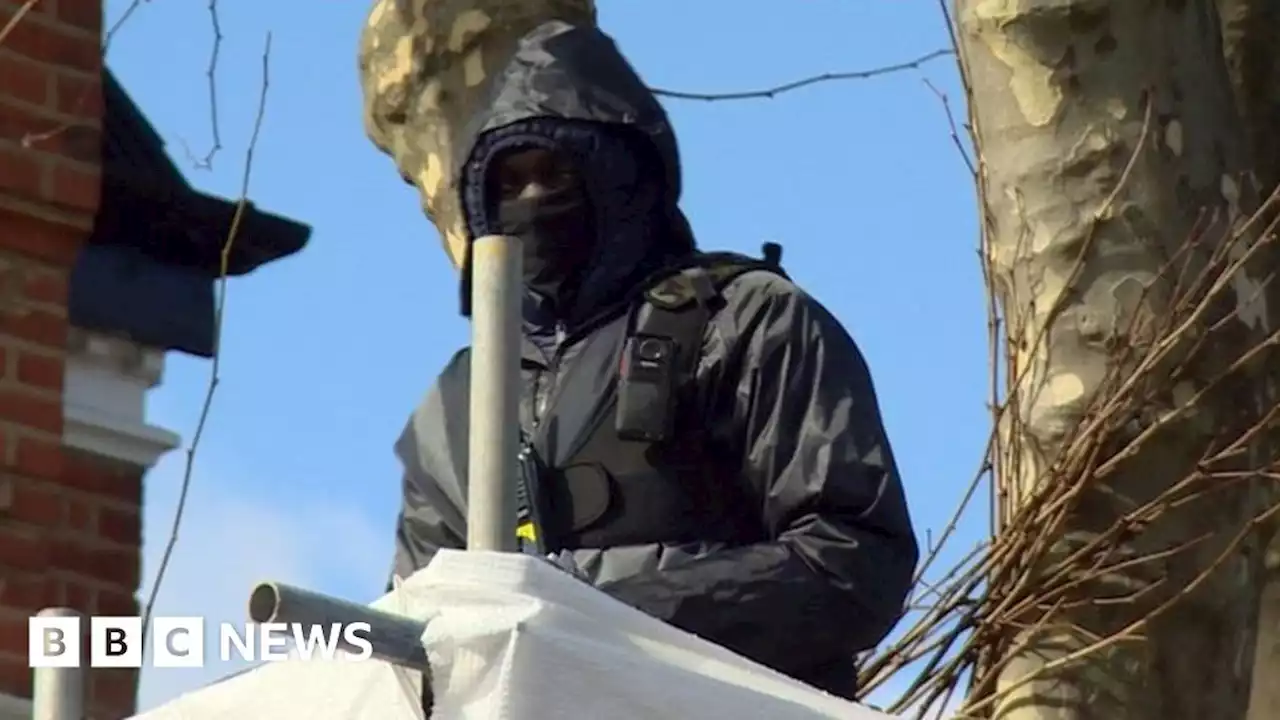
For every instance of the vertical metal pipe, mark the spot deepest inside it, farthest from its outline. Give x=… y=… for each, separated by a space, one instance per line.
x=496 y=289
x=58 y=693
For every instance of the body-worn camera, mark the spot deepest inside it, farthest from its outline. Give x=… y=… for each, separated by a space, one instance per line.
x=646 y=388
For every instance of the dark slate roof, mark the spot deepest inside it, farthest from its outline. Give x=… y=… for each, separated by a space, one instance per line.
x=148 y=271
x=187 y=227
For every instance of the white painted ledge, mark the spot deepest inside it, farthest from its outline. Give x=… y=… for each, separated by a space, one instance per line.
x=13 y=707
x=90 y=431
x=105 y=397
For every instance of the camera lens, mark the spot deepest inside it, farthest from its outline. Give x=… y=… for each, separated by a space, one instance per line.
x=651 y=350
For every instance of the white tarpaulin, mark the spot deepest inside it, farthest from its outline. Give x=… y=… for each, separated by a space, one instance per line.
x=512 y=638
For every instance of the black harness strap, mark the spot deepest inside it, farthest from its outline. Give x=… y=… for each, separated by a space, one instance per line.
x=669 y=314
x=680 y=306
x=638 y=478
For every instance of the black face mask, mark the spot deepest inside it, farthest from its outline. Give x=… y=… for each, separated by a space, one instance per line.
x=557 y=235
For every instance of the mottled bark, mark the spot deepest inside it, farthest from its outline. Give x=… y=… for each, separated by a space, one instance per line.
x=1251 y=44
x=1264 y=704
x=1067 y=95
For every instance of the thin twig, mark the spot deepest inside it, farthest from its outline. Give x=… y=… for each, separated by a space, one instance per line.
x=17 y=18
x=951 y=123
x=211 y=79
x=219 y=316
x=772 y=92
x=110 y=35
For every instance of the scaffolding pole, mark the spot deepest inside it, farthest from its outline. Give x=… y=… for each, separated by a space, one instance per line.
x=395 y=639
x=494 y=432
x=493 y=465
x=58 y=693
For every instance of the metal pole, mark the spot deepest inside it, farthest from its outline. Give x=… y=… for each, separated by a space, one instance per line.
x=58 y=693
x=395 y=639
x=495 y=393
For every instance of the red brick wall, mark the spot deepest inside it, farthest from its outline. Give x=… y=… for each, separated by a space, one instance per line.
x=52 y=105
x=70 y=533
x=69 y=524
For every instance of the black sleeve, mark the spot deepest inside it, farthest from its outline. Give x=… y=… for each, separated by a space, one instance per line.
x=433 y=514
x=834 y=577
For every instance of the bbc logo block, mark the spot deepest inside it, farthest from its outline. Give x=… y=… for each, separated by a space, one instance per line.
x=53 y=642
x=179 y=642
x=114 y=642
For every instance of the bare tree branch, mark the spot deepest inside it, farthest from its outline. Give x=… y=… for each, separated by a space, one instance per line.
x=110 y=35
x=955 y=130
x=17 y=18
x=219 y=315
x=206 y=163
x=772 y=92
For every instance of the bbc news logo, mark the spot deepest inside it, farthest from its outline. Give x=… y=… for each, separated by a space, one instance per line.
x=180 y=642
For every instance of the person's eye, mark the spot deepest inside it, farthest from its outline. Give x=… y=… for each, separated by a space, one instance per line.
x=509 y=186
x=560 y=176
x=565 y=177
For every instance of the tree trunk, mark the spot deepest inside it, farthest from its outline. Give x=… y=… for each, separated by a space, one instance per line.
x=1265 y=701
x=1109 y=137
x=1251 y=36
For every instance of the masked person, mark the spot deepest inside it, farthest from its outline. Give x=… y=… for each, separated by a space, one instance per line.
x=705 y=437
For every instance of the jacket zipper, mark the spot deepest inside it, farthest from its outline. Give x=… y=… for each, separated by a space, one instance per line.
x=541 y=396
x=542 y=390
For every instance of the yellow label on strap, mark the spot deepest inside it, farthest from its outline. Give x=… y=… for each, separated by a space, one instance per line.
x=525 y=532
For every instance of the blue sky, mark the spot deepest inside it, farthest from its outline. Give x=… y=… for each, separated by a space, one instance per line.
x=326 y=353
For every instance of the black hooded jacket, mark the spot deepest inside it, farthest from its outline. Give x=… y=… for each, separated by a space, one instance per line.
x=783 y=389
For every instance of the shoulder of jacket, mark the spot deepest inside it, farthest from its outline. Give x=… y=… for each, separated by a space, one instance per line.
x=450 y=385
x=705 y=276
x=764 y=285
x=446 y=398
x=460 y=362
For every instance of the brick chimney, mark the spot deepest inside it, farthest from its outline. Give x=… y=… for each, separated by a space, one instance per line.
x=108 y=259
x=70 y=493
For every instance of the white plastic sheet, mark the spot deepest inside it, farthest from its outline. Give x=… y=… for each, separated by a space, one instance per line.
x=512 y=638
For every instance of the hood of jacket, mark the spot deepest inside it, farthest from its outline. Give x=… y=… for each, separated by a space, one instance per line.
x=568 y=89
x=426 y=67
x=560 y=83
